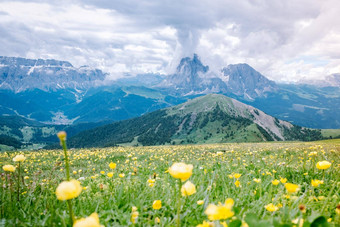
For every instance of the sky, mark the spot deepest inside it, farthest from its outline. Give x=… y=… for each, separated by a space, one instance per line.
x=285 y=40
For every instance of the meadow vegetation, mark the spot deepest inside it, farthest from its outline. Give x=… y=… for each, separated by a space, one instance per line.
x=244 y=184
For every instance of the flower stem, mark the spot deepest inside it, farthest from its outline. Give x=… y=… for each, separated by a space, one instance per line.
x=18 y=189
x=69 y=203
x=178 y=223
x=63 y=143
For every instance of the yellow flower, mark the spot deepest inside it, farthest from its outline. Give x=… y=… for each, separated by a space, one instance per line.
x=110 y=174
x=157 y=220
x=112 y=165
x=121 y=175
x=200 y=202
x=181 y=171
x=91 y=221
x=271 y=207
x=68 y=190
x=188 y=189
x=206 y=224
x=237 y=175
x=337 y=209
x=237 y=183
x=157 y=204
x=102 y=172
x=62 y=136
x=218 y=212
x=8 y=168
x=316 y=183
x=257 y=180
x=275 y=182
x=19 y=158
x=134 y=215
x=291 y=188
x=323 y=165
x=283 y=180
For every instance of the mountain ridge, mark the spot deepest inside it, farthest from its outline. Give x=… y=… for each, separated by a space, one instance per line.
x=209 y=119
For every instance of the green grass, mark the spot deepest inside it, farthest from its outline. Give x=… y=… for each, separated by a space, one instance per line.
x=113 y=198
x=327 y=133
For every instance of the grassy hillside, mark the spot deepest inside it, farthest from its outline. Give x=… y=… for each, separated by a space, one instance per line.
x=207 y=119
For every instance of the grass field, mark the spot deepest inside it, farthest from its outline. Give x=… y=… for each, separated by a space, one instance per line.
x=124 y=195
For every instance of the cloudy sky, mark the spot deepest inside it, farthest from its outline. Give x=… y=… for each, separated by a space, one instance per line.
x=286 y=40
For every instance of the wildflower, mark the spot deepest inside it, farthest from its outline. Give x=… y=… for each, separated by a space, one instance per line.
x=110 y=174
x=291 y=188
x=283 y=180
x=316 y=183
x=62 y=136
x=157 y=204
x=200 y=202
x=121 y=175
x=74 y=172
x=237 y=183
x=68 y=190
x=188 y=189
x=19 y=158
x=323 y=165
x=257 y=180
x=181 y=171
x=8 y=168
x=237 y=175
x=134 y=215
x=271 y=207
x=218 y=212
x=91 y=221
x=112 y=165
x=302 y=208
x=102 y=172
x=206 y=224
x=337 y=209
x=275 y=182
x=157 y=220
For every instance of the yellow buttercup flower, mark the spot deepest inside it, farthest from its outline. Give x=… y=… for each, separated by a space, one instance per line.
x=68 y=190
x=91 y=221
x=271 y=207
x=181 y=171
x=188 y=189
x=200 y=202
x=112 y=165
x=121 y=175
x=316 y=183
x=275 y=182
x=8 y=168
x=237 y=183
x=157 y=204
x=19 y=158
x=220 y=212
x=257 y=180
x=110 y=174
x=291 y=188
x=323 y=165
x=205 y=224
x=62 y=136
x=283 y=180
x=237 y=175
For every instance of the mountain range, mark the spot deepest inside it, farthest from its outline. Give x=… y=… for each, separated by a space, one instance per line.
x=56 y=93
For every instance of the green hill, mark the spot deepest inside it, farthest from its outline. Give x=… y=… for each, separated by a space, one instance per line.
x=208 y=119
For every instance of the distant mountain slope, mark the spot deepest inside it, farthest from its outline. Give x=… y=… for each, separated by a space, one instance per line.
x=17 y=131
x=208 y=119
x=20 y=74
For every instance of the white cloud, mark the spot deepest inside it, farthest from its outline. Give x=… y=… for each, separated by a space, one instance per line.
x=275 y=37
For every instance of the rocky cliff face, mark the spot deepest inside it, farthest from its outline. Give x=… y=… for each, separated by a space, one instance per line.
x=243 y=80
x=20 y=74
x=192 y=77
